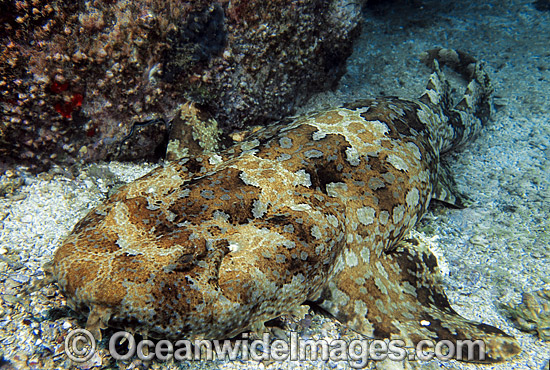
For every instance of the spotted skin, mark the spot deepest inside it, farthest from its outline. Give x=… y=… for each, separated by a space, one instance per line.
x=315 y=208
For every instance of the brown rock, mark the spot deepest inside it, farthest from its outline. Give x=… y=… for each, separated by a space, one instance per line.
x=87 y=74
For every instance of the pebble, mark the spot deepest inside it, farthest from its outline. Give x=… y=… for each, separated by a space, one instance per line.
x=20 y=278
x=10 y=298
x=11 y=283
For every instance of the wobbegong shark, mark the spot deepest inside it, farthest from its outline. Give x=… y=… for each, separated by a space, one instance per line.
x=315 y=208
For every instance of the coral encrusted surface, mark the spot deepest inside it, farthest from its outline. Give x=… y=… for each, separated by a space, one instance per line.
x=80 y=78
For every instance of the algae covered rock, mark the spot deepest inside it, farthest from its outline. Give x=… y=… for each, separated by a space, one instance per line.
x=79 y=78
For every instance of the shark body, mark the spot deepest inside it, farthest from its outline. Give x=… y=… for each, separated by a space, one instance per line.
x=314 y=208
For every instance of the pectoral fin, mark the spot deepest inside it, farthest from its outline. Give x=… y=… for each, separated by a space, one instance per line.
x=398 y=296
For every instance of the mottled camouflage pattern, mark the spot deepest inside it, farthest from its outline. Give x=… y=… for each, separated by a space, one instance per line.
x=314 y=208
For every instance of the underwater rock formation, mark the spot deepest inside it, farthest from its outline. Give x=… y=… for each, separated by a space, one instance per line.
x=76 y=78
x=533 y=313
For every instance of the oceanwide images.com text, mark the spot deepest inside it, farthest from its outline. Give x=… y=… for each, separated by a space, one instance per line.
x=80 y=346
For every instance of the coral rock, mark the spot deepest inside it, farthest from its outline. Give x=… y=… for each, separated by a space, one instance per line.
x=83 y=74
